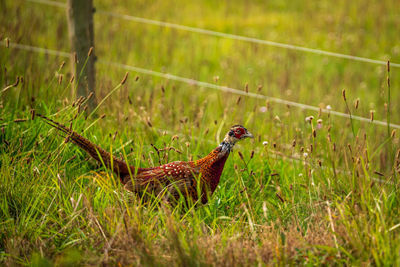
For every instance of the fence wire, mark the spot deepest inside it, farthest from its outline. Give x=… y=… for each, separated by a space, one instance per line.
x=226 y=35
x=206 y=85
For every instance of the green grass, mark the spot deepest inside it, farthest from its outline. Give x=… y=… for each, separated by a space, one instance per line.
x=58 y=207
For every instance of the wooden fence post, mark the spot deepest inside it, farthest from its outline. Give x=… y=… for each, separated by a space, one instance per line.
x=81 y=35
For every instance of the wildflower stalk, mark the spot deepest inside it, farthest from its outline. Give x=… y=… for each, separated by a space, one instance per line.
x=388 y=103
x=348 y=109
x=390 y=135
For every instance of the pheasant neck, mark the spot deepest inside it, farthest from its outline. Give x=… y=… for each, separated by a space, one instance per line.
x=212 y=165
x=226 y=146
x=217 y=163
x=216 y=168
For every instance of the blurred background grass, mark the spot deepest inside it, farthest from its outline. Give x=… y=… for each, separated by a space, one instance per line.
x=142 y=113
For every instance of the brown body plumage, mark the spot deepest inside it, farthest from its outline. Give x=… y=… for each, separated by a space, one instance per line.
x=194 y=179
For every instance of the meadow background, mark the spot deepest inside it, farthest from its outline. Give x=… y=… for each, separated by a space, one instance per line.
x=312 y=193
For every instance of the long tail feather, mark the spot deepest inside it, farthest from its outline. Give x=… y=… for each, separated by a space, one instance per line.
x=99 y=154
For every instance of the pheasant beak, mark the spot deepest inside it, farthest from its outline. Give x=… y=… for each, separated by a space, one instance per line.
x=248 y=134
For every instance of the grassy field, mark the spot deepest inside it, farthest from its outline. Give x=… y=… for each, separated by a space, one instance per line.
x=319 y=193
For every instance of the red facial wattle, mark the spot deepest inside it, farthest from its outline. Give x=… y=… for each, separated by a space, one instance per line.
x=239 y=132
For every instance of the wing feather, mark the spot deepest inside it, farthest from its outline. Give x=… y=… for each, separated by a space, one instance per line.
x=174 y=178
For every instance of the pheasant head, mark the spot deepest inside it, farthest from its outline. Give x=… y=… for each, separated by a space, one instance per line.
x=236 y=133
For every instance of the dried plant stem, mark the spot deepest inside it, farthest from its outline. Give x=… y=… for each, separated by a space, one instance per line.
x=389 y=133
x=332 y=228
x=388 y=94
x=348 y=109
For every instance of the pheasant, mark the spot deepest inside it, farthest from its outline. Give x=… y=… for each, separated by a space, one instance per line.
x=192 y=179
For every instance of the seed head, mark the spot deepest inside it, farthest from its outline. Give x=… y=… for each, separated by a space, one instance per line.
x=90 y=95
x=241 y=155
x=16 y=82
x=309 y=119
x=356 y=103
x=125 y=78
x=344 y=94
x=90 y=51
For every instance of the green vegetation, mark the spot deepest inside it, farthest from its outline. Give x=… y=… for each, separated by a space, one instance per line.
x=315 y=194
